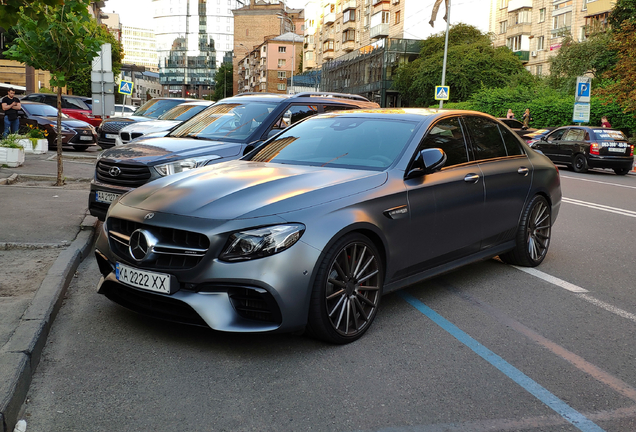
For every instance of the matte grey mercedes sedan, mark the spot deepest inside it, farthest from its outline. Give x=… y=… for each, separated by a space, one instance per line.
x=309 y=230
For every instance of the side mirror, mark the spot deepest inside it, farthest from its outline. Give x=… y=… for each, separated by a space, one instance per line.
x=543 y=138
x=426 y=162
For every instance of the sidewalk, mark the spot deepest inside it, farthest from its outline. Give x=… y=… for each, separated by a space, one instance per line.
x=45 y=232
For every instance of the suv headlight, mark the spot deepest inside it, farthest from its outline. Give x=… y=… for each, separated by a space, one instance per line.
x=261 y=242
x=183 y=165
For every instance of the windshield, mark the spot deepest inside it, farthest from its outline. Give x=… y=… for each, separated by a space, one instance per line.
x=342 y=141
x=155 y=107
x=233 y=121
x=182 y=112
x=41 y=110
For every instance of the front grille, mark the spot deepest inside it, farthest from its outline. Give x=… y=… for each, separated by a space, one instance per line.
x=255 y=304
x=129 y=175
x=175 y=250
x=114 y=126
x=155 y=305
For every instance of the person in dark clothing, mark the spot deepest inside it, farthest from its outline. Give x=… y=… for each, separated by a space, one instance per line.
x=10 y=106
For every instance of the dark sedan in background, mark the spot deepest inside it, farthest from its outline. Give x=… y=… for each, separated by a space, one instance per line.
x=76 y=133
x=73 y=106
x=309 y=230
x=583 y=147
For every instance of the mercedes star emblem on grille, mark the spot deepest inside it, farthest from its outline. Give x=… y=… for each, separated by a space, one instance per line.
x=141 y=244
x=114 y=171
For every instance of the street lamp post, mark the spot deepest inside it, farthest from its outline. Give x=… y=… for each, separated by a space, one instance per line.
x=448 y=11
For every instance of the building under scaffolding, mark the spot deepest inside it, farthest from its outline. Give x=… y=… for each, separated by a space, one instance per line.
x=369 y=70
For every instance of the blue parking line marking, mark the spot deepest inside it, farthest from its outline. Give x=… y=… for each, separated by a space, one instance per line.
x=564 y=410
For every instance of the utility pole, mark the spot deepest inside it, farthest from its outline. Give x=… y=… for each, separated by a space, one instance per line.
x=448 y=15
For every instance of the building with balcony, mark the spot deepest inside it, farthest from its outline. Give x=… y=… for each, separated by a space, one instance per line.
x=255 y=21
x=269 y=65
x=534 y=29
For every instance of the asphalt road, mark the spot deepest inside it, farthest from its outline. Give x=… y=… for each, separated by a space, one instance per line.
x=487 y=348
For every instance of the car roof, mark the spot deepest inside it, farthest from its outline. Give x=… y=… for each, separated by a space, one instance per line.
x=414 y=114
x=323 y=97
x=54 y=94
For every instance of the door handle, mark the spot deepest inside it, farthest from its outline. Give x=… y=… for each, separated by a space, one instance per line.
x=523 y=171
x=471 y=178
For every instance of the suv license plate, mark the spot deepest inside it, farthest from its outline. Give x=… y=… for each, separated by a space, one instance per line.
x=111 y=136
x=105 y=197
x=147 y=280
x=616 y=150
x=86 y=138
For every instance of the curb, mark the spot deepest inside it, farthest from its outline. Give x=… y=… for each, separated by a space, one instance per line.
x=20 y=356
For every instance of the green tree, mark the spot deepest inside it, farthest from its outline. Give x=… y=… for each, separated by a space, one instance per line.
x=61 y=42
x=80 y=82
x=223 y=81
x=624 y=10
x=10 y=10
x=472 y=63
x=592 y=56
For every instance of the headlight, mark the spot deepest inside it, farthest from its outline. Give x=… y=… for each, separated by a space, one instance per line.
x=183 y=165
x=261 y=242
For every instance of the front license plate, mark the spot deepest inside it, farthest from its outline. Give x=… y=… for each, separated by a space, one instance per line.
x=616 y=150
x=151 y=281
x=86 y=138
x=105 y=197
x=111 y=136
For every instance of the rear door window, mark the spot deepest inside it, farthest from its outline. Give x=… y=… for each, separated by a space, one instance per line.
x=574 y=135
x=447 y=134
x=485 y=138
x=511 y=141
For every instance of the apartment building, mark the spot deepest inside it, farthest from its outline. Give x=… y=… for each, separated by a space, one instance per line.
x=534 y=29
x=140 y=47
x=258 y=20
x=269 y=65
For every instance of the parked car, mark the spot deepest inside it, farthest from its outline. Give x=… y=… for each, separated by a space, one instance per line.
x=583 y=147
x=227 y=130
x=535 y=136
x=313 y=227
x=124 y=110
x=76 y=133
x=108 y=131
x=517 y=126
x=72 y=106
x=163 y=123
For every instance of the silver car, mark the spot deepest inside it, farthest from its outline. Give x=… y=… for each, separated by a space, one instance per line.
x=309 y=230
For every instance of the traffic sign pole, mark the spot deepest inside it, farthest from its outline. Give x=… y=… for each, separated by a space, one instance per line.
x=448 y=15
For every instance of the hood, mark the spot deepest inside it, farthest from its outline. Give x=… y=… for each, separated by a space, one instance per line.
x=243 y=189
x=68 y=122
x=130 y=118
x=153 y=151
x=150 y=126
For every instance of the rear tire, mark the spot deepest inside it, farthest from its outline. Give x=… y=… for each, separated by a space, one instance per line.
x=621 y=171
x=347 y=291
x=579 y=163
x=533 y=235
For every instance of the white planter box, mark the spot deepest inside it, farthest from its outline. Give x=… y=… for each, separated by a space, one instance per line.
x=41 y=145
x=11 y=157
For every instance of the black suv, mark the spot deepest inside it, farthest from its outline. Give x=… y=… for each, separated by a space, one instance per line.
x=108 y=131
x=583 y=147
x=227 y=130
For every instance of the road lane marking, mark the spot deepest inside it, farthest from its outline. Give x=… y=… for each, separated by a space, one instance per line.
x=619 y=211
x=577 y=361
x=597 y=181
x=551 y=279
x=564 y=410
x=580 y=292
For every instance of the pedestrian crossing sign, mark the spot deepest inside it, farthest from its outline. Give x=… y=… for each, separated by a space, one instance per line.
x=125 y=87
x=441 y=92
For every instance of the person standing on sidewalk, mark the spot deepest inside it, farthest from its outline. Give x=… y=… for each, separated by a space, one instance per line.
x=10 y=106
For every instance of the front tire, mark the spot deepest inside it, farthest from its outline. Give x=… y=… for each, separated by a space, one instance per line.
x=347 y=290
x=579 y=164
x=533 y=235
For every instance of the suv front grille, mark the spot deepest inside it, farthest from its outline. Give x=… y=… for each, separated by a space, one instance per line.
x=175 y=249
x=114 y=126
x=127 y=174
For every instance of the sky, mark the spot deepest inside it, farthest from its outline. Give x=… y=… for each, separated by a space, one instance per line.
x=138 y=13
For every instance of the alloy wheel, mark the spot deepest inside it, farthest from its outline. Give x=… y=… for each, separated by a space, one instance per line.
x=539 y=230
x=353 y=289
